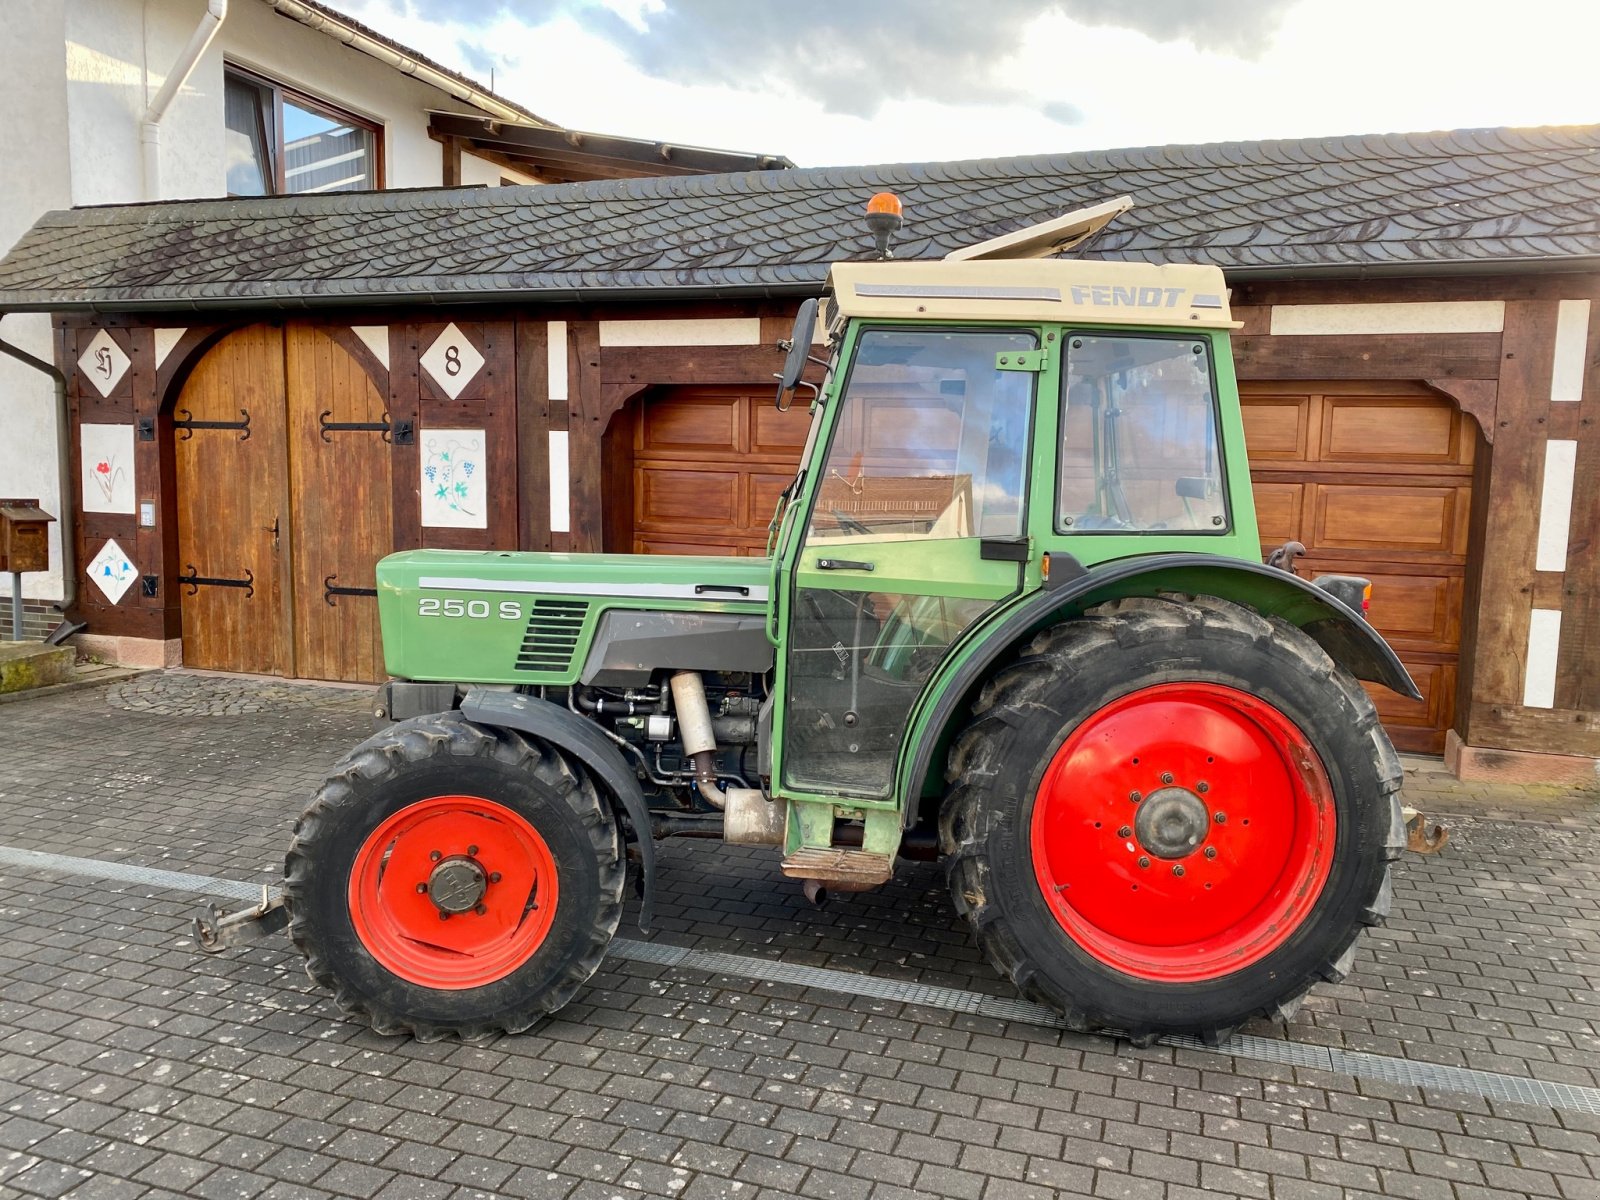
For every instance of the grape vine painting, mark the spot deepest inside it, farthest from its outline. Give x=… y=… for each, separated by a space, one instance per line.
x=453 y=491
x=107 y=456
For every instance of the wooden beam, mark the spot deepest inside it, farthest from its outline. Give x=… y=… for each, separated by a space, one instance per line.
x=1512 y=526
x=1368 y=356
x=1475 y=397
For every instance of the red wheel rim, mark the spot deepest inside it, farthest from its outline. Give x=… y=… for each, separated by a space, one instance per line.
x=1225 y=864
x=449 y=851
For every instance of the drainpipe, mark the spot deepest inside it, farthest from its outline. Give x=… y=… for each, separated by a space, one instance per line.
x=69 y=578
x=150 y=123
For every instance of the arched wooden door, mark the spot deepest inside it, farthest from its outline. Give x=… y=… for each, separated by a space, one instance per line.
x=283 y=527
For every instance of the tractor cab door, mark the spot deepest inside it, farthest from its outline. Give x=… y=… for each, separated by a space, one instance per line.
x=916 y=528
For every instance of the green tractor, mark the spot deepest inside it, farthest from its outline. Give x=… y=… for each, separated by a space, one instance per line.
x=1013 y=616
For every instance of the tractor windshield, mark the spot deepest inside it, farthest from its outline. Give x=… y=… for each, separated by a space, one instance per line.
x=932 y=440
x=1139 y=436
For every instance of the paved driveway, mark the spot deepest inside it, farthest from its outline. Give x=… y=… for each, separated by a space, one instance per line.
x=752 y=1047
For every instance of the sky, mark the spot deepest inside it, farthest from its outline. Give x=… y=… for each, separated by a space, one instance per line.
x=842 y=82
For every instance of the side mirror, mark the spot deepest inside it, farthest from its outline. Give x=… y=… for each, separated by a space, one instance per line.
x=799 y=348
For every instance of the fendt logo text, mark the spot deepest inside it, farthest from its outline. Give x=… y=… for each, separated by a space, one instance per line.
x=1106 y=295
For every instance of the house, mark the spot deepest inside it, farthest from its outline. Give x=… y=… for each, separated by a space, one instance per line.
x=1418 y=359
x=122 y=101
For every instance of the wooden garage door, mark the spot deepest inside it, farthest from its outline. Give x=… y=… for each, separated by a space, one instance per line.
x=708 y=464
x=1375 y=479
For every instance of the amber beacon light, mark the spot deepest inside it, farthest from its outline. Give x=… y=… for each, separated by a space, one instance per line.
x=883 y=218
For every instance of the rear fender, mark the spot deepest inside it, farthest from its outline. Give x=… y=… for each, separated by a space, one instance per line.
x=578 y=737
x=1346 y=636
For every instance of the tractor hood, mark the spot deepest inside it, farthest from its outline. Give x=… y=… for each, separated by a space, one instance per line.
x=591 y=576
x=494 y=616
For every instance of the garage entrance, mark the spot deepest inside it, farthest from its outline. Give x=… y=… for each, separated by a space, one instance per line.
x=279 y=510
x=1376 y=480
x=708 y=464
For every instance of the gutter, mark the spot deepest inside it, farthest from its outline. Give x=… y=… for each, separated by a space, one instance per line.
x=69 y=576
x=150 y=123
x=356 y=39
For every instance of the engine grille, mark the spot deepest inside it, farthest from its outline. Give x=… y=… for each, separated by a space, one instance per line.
x=553 y=630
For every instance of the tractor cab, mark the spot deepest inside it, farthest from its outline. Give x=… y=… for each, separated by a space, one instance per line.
x=979 y=418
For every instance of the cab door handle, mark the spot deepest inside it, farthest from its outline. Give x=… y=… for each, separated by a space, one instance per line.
x=844 y=564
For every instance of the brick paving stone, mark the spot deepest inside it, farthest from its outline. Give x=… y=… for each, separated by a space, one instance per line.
x=147 y=1069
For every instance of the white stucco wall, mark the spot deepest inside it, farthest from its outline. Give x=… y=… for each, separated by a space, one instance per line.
x=33 y=63
x=79 y=75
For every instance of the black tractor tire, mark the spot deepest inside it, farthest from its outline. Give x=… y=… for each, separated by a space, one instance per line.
x=1030 y=708
x=412 y=764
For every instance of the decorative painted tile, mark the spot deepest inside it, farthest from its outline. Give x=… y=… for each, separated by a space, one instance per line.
x=452 y=361
x=104 y=363
x=454 y=495
x=112 y=572
x=107 y=464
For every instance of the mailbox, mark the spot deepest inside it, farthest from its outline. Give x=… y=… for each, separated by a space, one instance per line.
x=24 y=536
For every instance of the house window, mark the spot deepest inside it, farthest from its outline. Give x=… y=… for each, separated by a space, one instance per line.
x=280 y=140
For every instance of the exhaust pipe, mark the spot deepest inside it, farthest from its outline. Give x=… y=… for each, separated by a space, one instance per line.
x=751 y=819
x=815 y=892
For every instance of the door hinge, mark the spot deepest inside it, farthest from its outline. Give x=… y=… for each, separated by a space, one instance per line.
x=1021 y=360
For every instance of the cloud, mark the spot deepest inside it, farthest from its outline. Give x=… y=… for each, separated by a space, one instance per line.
x=851 y=57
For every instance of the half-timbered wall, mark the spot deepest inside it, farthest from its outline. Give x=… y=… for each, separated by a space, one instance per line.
x=546 y=401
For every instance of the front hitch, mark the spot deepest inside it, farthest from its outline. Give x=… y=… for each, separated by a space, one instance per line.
x=216 y=931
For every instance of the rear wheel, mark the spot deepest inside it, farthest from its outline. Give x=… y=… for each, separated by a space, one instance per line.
x=1172 y=815
x=451 y=879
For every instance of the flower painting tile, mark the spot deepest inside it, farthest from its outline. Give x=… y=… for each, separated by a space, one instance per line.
x=107 y=468
x=454 y=495
x=112 y=572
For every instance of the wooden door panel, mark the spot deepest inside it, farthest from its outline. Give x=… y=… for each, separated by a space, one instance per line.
x=1417 y=726
x=780 y=434
x=1366 y=430
x=233 y=508
x=1278 y=507
x=1384 y=518
x=700 y=498
x=694 y=424
x=1275 y=427
x=343 y=507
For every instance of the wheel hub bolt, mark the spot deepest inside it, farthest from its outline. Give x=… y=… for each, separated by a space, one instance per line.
x=1211 y=851
x=434 y=856
x=494 y=876
x=1166 y=777
x=1178 y=870
x=472 y=850
x=1135 y=797
x=1202 y=787
x=1221 y=818
x=422 y=889
x=1125 y=831
x=444 y=916
x=481 y=909
x=1143 y=861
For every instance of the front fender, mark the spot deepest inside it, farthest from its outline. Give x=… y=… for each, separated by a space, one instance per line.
x=1348 y=639
x=578 y=737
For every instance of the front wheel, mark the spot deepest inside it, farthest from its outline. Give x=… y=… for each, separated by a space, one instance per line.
x=452 y=879
x=1172 y=815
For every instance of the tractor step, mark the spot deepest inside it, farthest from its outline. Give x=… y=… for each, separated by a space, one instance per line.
x=846 y=870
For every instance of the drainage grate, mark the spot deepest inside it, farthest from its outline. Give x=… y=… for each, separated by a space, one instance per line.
x=552 y=636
